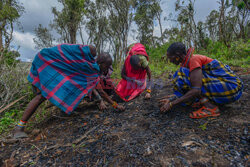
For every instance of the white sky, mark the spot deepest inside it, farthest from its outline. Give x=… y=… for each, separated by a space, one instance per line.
x=39 y=12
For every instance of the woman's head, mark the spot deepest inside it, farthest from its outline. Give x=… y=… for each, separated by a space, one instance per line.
x=176 y=52
x=105 y=61
x=92 y=50
x=135 y=62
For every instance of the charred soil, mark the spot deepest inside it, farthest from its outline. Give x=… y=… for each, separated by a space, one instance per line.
x=140 y=136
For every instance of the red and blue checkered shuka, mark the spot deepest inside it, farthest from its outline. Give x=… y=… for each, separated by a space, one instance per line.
x=65 y=74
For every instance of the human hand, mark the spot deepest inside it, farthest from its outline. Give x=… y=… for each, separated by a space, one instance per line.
x=120 y=107
x=164 y=101
x=148 y=96
x=102 y=106
x=166 y=107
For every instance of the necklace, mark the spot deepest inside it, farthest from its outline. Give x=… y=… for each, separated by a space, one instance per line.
x=186 y=59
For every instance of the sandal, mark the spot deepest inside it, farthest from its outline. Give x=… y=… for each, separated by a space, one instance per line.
x=199 y=103
x=20 y=135
x=204 y=112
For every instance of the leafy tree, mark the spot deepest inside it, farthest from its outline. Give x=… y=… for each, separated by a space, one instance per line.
x=212 y=24
x=146 y=12
x=202 y=39
x=97 y=24
x=10 y=11
x=66 y=23
x=120 y=19
x=9 y=57
x=186 y=20
x=224 y=5
x=242 y=15
x=108 y=25
x=44 y=38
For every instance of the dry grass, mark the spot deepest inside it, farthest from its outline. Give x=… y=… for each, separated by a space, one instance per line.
x=13 y=82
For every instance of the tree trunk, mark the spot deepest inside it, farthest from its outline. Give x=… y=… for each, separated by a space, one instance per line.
x=220 y=20
x=1 y=40
x=72 y=36
x=159 y=20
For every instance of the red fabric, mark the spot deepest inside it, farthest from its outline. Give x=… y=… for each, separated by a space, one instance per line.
x=128 y=90
x=197 y=61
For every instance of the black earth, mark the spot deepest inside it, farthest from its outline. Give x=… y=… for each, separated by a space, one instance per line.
x=140 y=136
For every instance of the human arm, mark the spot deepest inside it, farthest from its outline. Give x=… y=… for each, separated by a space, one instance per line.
x=102 y=105
x=148 y=95
x=196 y=82
x=109 y=100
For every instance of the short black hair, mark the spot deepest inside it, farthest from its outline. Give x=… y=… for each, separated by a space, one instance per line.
x=104 y=57
x=134 y=61
x=177 y=47
x=92 y=50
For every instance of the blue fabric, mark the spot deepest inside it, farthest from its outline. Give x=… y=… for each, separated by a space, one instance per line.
x=219 y=83
x=65 y=74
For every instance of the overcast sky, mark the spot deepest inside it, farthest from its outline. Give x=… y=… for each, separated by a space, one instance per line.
x=39 y=12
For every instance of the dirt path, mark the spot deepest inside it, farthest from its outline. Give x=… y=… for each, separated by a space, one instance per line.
x=140 y=136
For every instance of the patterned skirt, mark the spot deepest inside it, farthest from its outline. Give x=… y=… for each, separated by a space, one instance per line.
x=219 y=83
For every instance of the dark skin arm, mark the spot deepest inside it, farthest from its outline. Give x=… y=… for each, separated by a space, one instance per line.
x=108 y=99
x=196 y=81
x=149 y=76
x=148 y=96
x=102 y=105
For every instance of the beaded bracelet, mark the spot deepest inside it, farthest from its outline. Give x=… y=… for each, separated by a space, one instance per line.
x=22 y=124
x=114 y=105
x=171 y=105
x=172 y=98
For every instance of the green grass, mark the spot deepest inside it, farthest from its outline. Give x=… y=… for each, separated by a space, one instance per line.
x=159 y=67
x=242 y=62
x=9 y=119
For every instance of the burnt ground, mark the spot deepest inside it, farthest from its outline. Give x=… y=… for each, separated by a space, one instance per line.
x=140 y=136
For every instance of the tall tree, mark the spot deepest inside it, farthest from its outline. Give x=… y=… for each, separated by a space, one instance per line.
x=156 y=8
x=201 y=35
x=44 y=38
x=212 y=25
x=67 y=21
x=10 y=11
x=187 y=22
x=108 y=24
x=146 y=12
x=96 y=24
x=242 y=14
x=224 y=6
x=121 y=15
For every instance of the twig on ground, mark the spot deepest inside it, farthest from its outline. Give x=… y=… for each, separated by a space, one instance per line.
x=37 y=149
x=11 y=104
x=84 y=136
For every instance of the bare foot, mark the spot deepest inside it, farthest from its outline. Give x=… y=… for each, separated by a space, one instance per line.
x=210 y=105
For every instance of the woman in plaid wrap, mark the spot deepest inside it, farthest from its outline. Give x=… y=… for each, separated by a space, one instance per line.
x=201 y=82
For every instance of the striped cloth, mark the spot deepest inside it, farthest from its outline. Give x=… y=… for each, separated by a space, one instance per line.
x=65 y=74
x=219 y=83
